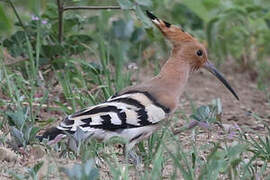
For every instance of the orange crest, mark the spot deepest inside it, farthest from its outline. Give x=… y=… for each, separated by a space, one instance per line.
x=173 y=33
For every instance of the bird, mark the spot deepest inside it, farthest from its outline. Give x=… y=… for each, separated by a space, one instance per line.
x=137 y=111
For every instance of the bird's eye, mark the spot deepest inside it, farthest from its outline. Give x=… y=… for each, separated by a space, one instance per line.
x=199 y=53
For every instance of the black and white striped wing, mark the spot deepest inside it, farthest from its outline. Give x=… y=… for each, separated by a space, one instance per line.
x=129 y=110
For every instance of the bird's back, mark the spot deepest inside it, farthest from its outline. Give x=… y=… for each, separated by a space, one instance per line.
x=132 y=115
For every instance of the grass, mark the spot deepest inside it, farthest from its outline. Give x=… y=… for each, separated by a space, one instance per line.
x=161 y=151
x=34 y=98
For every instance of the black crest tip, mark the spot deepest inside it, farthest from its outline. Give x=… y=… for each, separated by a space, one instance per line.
x=150 y=15
x=167 y=24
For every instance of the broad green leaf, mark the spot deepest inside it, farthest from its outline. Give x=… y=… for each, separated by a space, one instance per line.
x=83 y=171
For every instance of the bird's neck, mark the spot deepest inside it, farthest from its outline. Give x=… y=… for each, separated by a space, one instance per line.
x=169 y=84
x=174 y=74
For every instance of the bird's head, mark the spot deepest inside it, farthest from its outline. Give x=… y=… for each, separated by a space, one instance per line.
x=188 y=48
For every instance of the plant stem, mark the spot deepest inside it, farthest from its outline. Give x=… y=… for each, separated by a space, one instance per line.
x=60 y=20
x=17 y=15
x=90 y=7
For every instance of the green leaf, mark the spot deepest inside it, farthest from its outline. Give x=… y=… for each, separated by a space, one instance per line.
x=26 y=132
x=51 y=11
x=150 y=33
x=17 y=176
x=144 y=2
x=267 y=16
x=198 y=8
x=51 y=51
x=138 y=35
x=37 y=167
x=234 y=151
x=82 y=171
x=142 y=17
x=96 y=69
x=5 y=23
x=211 y=4
x=70 y=24
x=90 y=170
x=33 y=133
x=34 y=171
x=18 y=117
x=126 y=4
x=18 y=135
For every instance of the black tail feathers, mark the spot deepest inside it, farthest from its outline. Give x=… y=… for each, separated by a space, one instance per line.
x=50 y=134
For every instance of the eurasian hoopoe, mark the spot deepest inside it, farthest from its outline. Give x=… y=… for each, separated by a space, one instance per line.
x=136 y=112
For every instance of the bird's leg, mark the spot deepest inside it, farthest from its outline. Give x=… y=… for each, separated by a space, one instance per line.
x=57 y=139
x=132 y=157
x=77 y=139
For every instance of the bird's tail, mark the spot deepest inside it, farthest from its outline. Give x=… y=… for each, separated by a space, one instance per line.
x=51 y=134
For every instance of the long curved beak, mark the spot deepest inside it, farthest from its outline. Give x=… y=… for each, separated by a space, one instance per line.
x=211 y=68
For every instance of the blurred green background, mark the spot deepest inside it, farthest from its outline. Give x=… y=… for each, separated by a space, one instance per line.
x=237 y=29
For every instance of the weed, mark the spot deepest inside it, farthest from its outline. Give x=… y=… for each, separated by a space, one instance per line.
x=82 y=171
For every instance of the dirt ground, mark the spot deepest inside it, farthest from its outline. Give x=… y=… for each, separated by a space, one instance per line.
x=202 y=88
